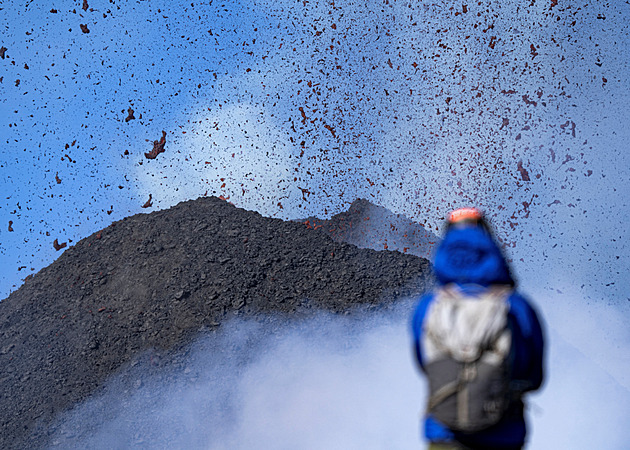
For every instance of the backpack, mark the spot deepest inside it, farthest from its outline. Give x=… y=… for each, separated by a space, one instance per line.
x=467 y=357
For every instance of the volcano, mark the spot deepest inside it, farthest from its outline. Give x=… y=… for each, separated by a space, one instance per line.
x=151 y=283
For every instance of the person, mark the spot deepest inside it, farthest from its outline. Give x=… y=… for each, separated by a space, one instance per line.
x=469 y=265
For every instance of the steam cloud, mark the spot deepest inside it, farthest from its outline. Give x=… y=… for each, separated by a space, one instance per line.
x=327 y=383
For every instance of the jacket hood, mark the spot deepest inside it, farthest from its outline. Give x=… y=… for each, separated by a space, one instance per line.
x=470 y=255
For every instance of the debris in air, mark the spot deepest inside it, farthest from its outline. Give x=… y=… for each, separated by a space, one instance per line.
x=158 y=147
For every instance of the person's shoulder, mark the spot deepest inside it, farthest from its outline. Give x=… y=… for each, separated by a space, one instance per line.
x=519 y=302
x=424 y=300
x=523 y=310
x=421 y=308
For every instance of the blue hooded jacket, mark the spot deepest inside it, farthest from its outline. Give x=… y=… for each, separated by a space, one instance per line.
x=470 y=258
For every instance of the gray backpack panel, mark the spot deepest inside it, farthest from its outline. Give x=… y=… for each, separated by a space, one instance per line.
x=467 y=343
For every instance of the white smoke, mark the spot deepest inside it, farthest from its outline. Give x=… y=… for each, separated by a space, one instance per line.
x=581 y=406
x=331 y=382
x=237 y=151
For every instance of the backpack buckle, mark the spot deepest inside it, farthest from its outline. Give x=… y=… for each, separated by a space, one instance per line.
x=468 y=373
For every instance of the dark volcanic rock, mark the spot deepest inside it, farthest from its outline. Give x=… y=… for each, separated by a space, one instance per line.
x=367 y=225
x=151 y=282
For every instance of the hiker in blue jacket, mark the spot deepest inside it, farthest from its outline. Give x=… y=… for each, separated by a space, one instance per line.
x=469 y=262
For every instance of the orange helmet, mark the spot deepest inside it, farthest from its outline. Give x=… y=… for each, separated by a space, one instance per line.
x=466 y=217
x=460 y=215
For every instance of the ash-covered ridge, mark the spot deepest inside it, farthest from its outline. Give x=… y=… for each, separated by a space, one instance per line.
x=152 y=282
x=367 y=225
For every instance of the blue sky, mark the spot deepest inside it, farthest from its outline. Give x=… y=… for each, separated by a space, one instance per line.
x=296 y=108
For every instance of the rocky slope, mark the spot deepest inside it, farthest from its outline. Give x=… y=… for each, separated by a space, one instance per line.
x=152 y=282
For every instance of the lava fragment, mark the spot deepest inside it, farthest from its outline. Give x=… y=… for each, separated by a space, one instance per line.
x=59 y=246
x=523 y=171
x=84 y=28
x=528 y=101
x=158 y=147
x=149 y=203
x=130 y=116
